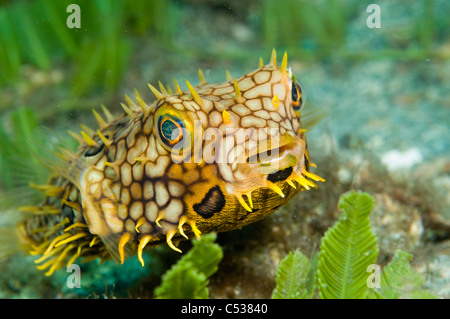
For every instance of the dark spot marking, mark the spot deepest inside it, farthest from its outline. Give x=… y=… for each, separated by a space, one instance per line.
x=280 y=175
x=213 y=202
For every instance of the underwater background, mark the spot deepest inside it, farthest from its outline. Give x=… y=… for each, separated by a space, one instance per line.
x=378 y=99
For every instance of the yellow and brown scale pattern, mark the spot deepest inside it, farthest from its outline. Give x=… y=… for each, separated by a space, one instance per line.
x=123 y=190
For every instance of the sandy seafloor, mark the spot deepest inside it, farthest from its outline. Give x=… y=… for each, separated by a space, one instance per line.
x=386 y=132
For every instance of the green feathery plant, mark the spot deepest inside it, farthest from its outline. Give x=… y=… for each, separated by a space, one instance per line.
x=339 y=271
x=347 y=249
x=293 y=276
x=400 y=280
x=342 y=269
x=188 y=278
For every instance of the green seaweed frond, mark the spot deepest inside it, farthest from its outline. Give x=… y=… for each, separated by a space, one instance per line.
x=347 y=249
x=188 y=278
x=399 y=280
x=346 y=252
x=292 y=277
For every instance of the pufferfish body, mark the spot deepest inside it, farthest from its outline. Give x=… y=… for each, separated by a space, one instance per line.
x=216 y=158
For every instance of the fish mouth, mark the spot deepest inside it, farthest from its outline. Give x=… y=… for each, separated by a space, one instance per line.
x=273 y=164
x=276 y=157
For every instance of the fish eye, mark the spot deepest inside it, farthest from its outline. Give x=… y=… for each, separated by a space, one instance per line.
x=171 y=130
x=297 y=100
x=170 y=127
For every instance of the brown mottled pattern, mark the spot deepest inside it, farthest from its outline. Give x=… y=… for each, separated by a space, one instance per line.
x=130 y=192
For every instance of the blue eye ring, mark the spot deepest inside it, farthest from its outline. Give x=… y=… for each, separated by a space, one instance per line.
x=173 y=128
x=170 y=129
